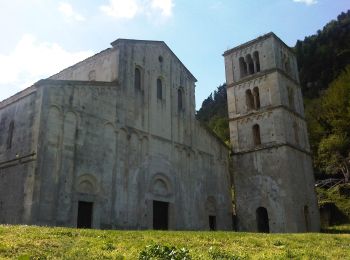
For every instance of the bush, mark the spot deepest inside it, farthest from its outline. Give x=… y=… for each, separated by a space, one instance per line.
x=164 y=253
x=216 y=254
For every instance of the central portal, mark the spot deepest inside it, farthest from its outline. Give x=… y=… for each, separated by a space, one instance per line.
x=160 y=215
x=84 y=214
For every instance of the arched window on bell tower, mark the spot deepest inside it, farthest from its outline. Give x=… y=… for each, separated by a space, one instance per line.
x=250 y=64
x=243 y=67
x=256 y=61
x=256 y=98
x=249 y=99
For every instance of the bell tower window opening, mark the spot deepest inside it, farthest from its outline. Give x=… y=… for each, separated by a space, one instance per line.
x=250 y=64
x=256 y=98
x=249 y=99
x=256 y=135
x=256 y=61
x=243 y=67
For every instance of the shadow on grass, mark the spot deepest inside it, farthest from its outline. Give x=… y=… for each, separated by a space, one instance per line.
x=344 y=229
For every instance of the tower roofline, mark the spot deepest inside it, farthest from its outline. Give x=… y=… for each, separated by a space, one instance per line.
x=263 y=37
x=133 y=41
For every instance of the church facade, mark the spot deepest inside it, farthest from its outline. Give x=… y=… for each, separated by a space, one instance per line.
x=112 y=142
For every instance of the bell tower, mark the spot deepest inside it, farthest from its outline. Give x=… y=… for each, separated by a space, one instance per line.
x=273 y=174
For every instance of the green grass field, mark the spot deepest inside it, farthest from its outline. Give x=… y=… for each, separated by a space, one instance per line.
x=30 y=242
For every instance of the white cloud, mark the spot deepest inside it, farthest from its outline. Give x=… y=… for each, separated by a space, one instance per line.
x=121 y=8
x=67 y=10
x=128 y=9
x=307 y=2
x=165 y=6
x=32 y=60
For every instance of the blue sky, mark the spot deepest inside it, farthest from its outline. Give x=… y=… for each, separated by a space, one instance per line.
x=41 y=37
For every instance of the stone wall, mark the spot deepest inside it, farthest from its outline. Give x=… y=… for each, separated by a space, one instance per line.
x=92 y=155
x=19 y=119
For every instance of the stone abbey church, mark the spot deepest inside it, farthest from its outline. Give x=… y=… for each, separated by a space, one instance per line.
x=112 y=143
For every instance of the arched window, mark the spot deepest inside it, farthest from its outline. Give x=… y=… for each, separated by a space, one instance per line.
x=256 y=135
x=159 y=89
x=262 y=220
x=92 y=75
x=256 y=61
x=296 y=132
x=179 y=100
x=249 y=99
x=10 y=135
x=291 y=97
x=306 y=218
x=243 y=67
x=256 y=98
x=137 y=80
x=250 y=64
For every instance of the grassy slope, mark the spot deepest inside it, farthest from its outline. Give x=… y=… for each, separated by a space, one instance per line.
x=42 y=243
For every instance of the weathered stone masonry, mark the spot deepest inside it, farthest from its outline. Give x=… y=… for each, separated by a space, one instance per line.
x=112 y=142
x=273 y=175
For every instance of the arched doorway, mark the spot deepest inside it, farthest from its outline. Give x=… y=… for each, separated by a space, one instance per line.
x=161 y=193
x=262 y=220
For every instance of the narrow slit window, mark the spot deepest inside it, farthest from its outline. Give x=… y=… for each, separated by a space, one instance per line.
x=306 y=218
x=179 y=100
x=291 y=98
x=296 y=132
x=137 y=81
x=159 y=89
x=10 y=134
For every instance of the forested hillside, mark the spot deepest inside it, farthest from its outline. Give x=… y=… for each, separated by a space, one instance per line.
x=214 y=113
x=323 y=56
x=323 y=61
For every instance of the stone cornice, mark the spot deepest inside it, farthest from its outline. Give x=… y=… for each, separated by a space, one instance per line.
x=270 y=145
x=260 y=38
x=18 y=160
x=265 y=110
x=261 y=74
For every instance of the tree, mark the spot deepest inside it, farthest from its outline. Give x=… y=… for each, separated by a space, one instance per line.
x=328 y=120
x=333 y=155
